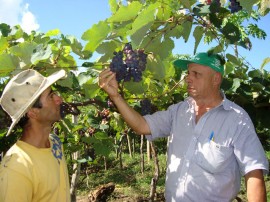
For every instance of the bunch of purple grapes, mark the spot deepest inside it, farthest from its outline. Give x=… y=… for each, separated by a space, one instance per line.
x=146 y=106
x=235 y=6
x=128 y=64
x=117 y=65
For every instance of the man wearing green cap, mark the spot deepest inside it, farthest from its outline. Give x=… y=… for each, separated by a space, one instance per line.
x=212 y=141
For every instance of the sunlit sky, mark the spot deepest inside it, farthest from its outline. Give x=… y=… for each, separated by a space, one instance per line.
x=75 y=17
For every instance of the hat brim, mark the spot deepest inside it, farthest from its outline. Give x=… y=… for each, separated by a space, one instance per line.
x=182 y=64
x=48 y=81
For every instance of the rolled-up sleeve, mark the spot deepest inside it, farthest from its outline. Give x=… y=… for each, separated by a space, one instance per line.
x=160 y=123
x=247 y=156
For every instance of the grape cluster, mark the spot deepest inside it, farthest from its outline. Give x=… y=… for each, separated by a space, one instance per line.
x=67 y=108
x=128 y=64
x=235 y=6
x=146 y=106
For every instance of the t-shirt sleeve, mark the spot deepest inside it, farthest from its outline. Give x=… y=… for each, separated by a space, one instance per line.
x=14 y=187
x=248 y=149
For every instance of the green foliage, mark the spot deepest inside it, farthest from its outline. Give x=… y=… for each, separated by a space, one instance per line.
x=129 y=179
x=150 y=25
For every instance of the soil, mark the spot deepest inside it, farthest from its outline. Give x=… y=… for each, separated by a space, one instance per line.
x=117 y=197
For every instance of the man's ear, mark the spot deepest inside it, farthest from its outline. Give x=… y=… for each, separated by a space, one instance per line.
x=33 y=113
x=217 y=78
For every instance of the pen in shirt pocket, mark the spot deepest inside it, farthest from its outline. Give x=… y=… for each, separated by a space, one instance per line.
x=211 y=137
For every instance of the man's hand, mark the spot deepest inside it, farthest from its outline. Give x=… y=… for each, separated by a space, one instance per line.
x=107 y=81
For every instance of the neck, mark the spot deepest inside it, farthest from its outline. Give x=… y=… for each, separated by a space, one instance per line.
x=211 y=101
x=36 y=136
x=204 y=105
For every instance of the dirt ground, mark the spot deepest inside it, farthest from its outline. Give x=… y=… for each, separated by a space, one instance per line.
x=117 y=197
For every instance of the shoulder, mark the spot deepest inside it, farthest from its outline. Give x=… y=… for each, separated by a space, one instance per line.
x=235 y=109
x=17 y=160
x=182 y=104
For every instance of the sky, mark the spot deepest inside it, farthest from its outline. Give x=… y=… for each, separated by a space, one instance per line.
x=75 y=17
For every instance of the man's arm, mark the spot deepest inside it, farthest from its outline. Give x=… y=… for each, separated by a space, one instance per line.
x=108 y=83
x=255 y=185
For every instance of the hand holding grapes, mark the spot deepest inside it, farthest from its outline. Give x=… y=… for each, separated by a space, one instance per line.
x=107 y=81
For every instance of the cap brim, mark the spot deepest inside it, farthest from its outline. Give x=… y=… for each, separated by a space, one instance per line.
x=183 y=64
x=48 y=82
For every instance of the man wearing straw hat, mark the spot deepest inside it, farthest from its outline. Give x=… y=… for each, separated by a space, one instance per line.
x=211 y=140
x=34 y=168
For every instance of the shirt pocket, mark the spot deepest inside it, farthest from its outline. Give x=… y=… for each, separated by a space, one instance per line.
x=212 y=156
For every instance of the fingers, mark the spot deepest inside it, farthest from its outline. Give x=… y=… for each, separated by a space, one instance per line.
x=105 y=73
x=105 y=77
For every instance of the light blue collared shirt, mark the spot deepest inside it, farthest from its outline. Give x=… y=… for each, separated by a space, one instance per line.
x=201 y=167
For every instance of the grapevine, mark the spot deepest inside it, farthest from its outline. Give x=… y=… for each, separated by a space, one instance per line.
x=67 y=108
x=129 y=64
x=146 y=106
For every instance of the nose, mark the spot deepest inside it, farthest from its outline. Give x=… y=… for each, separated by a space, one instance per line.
x=58 y=99
x=187 y=78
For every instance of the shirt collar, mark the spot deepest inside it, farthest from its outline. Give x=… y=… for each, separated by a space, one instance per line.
x=226 y=104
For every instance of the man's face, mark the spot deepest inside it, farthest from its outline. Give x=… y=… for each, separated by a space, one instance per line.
x=50 y=111
x=200 y=80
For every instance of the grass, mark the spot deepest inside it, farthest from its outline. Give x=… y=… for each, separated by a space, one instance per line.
x=129 y=180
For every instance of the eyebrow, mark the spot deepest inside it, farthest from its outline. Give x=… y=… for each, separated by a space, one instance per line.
x=51 y=91
x=194 y=71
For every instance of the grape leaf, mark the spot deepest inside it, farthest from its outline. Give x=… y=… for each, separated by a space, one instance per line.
x=156 y=67
x=43 y=54
x=231 y=32
x=233 y=59
x=101 y=135
x=138 y=36
x=146 y=16
x=7 y=64
x=186 y=30
x=126 y=13
x=24 y=51
x=188 y=3
x=95 y=35
x=113 y=5
x=53 y=32
x=107 y=46
x=257 y=87
x=255 y=73
x=198 y=34
x=236 y=84
x=164 y=48
x=134 y=87
x=229 y=67
x=248 y=5
x=3 y=44
x=90 y=90
x=67 y=82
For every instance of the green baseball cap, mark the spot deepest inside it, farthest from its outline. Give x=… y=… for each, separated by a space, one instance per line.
x=213 y=61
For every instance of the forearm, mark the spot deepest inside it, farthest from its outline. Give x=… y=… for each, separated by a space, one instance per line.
x=256 y=191
x=132 y=117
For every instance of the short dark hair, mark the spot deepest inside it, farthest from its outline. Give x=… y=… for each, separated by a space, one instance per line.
x=24 y=119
